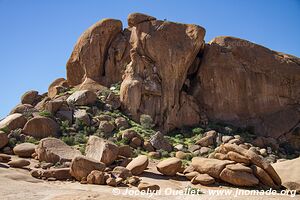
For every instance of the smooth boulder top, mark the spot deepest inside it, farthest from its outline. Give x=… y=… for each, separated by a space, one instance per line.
x=24 y=150
x=136 y=18
x=13 y=121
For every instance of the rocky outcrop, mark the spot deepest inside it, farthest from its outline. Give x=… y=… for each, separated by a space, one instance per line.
x=100 y=49
x=249 y=85
x=161 y=55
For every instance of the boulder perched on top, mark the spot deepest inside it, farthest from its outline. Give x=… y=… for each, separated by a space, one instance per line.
x=57 y=86
x=101 y=150
x=31 y=97
x=41 y=127
x=90 y=52
x=13 y=121
x=82 y=166
x=53 y=150
x=24 y=150
x=212 y=167
x=82 y=98
x=155 y=55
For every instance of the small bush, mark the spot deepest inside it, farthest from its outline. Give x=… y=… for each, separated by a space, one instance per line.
x=45 y=113
x=31 y=140
x=146 y=121
x=197 y=131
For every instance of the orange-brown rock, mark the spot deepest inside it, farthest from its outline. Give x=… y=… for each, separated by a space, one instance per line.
x=91 y=50
x=57 y=86
x=161 y=55
x=41 y=127
x=247 y=84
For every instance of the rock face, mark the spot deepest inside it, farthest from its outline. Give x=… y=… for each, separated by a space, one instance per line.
x=101 y=150
x=90 y=59
x=53 y=150
x=160 y=60
x=41 y=127
x=13 y=121
x=24 y=150
x=82 y=166
x=246 y=84
x=31 y=97
x=168 y=72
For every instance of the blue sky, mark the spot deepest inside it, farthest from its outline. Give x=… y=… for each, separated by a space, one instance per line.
x=37 y=37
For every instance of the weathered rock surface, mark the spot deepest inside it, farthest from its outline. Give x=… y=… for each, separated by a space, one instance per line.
x=31 y=97
x=54 y=150
x=3 y=139
x=57 y=86
x=41 y=127
x=91 y=50
x=101 y=150
x=247 y=84
x=24 y=150
x=57 y=173
x=159 y=142
x=289 y=173
x=82 y=166
x=18 y=163
x=96 y=177
x=203 y=179
x=22 y=108
x=238 y=178
x=147 y=87
x=138 y=165
x=13 y=121
x=148 y=187
x=169 y=166
x=82 y=98
x=212 y=167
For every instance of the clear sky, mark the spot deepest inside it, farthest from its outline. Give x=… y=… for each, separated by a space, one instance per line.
x=37 y=36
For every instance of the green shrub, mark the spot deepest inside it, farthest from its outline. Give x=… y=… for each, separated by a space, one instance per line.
x=45 y=113
x=5 y=129
x=146 y=121
x=32 y=140
x=197 y=131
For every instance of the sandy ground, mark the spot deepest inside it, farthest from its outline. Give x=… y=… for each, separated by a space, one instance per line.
x=17 y=184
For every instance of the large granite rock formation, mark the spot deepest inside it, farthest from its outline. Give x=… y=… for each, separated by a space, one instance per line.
x=161 y=55
x=249 y=85
x=177 y=80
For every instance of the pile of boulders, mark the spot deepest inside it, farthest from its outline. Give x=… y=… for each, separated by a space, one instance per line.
x=235 y=165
